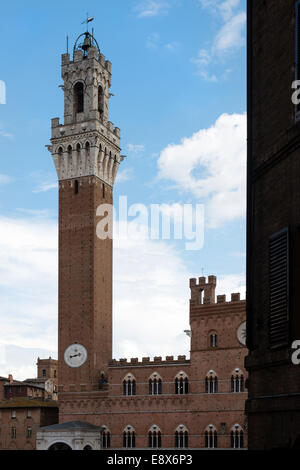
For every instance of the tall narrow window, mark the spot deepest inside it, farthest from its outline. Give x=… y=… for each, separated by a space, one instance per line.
x=211 y=437
x=237 y=437
x=211 y=382
x=237 y=382
x=154 y=437
x=106 y=436
x=78 y=98
x=100 y=100
x=129 y=438
x=13 y=433
x=155 y=384
x=213 y=340
x=181 y=437
x=181 y=384
x=129 y=385
x=76 y=186
x=29 y=432
x=279 y=289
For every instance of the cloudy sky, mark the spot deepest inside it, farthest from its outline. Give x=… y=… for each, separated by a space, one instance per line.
x=179 y=84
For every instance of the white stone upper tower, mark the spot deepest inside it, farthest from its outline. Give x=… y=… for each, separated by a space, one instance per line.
x=87 y=144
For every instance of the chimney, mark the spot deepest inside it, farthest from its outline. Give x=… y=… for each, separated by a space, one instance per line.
x=10 y=378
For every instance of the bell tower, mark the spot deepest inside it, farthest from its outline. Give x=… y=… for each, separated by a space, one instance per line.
x=86 y=154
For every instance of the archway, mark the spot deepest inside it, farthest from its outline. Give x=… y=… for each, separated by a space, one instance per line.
x=59 y=446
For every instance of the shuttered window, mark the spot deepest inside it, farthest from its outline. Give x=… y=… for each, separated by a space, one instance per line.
x=279 y=289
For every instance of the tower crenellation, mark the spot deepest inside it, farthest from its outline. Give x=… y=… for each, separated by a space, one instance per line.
x=203 y=292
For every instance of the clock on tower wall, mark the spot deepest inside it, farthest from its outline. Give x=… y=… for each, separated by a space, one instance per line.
x=86 y=154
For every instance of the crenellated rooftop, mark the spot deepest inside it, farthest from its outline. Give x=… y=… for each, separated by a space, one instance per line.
x=204 y=293
x=146 y=361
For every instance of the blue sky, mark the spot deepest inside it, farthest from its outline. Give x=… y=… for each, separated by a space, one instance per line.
x=179 y=83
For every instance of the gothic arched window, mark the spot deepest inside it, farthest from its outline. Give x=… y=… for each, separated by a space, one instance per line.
x=211 y=382
x=129 y=437
x=105 y=434
x=181 y=384
x=155 y=384
x=237 y=437
x=78 y=98
x=129 y=385
x=181 y=437
x=211 y=437
x=154 y=436
x=237 y=381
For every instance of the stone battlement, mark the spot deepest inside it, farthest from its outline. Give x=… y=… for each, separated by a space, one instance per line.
x=157 y=360
x=203 y=293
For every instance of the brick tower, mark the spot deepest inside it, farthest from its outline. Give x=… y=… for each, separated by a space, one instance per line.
x=86 y=154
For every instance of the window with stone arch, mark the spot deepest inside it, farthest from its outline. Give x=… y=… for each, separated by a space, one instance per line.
x=211 y=382
x=213 y=339
x=78 y=97
x=129 y=437
x=181 y=384
x=87 y=149
x=154 y=437
x=60 y=152
x=69 y=150
x=129 y=385
x=105 y=437
x=237 y=381
x=181 y=437
x=237 y=437
x=155 y=384
x=211 y=437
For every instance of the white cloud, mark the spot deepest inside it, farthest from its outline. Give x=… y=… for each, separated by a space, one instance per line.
x=40 y=213
x=172 y=46
x=4 y=179
x=45 y=186
x=229 y=38
x=21 y=362
x=136 y=148
x=223 y=8
x=154 y=292
x=28 y=282
x=151 y=8
x=4 y=133
x=212 y=166
x=231 y=284
x=154 y=42
x=124 y=175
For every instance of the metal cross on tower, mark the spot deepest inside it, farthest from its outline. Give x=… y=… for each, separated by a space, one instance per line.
x=87 y=21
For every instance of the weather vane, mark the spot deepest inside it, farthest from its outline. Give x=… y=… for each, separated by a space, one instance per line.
x=87 y=21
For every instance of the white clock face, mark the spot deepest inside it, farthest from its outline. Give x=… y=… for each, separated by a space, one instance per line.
x=241 y=333
x=75 y=355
